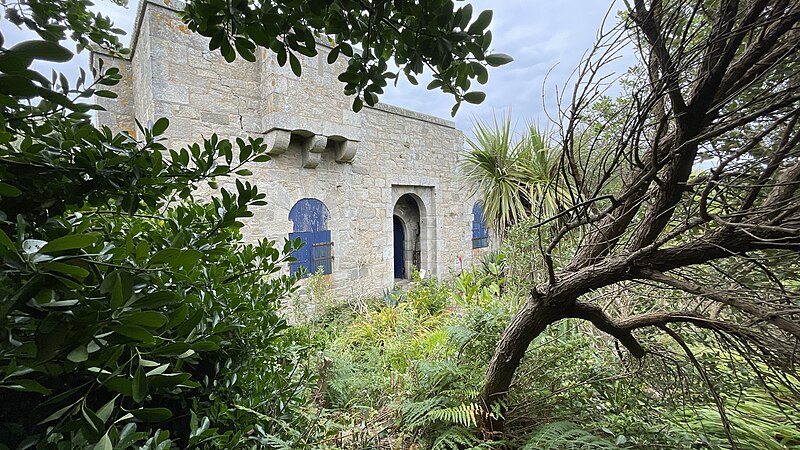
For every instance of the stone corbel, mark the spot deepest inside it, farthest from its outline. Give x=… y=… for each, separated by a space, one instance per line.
x=277 y=141
x=346 y=151
x=313 y=147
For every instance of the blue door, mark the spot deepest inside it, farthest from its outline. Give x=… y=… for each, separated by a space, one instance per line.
x=399 y=240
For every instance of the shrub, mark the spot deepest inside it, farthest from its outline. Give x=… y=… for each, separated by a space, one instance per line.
x=131 y=315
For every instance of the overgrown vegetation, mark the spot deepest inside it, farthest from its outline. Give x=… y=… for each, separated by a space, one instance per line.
x=133 y=315
x=407 y=374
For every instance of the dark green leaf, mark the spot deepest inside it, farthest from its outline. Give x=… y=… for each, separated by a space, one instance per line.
x=27 y=386
x=78 y=355
x=357 y=104
x=149 y=319
x=105 y=93
x=6 y=242
x=333 y=55
x=474 y=97
x=168 y=380
x=480 y=24
x=134 y=332
x=156 y=299
x=7 y=190
x=66 y=269
x=69 y=242
x=295 y=64
x=160 y=126
x=46 y=50
x=152 y=414
x=139 y=391
x=104 y=443
x=18 y=86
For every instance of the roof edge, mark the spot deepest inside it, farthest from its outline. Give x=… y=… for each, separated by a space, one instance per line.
x=409 y=113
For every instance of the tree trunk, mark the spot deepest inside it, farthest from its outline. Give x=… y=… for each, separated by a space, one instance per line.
x=527 y=324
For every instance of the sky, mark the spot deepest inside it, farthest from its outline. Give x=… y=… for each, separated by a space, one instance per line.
x=547 y=39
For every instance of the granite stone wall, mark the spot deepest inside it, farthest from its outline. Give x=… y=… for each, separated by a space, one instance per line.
x=357 y=164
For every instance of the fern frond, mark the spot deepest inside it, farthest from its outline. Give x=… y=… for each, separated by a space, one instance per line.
x=415 y=414
x=455 y=438
x=465 y=414
x=566 y=436
x=466 y=394
x=275 y=443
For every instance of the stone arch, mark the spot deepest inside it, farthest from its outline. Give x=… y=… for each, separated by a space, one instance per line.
x=417 y=211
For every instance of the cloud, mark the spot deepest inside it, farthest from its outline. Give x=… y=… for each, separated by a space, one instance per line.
x=547 y=40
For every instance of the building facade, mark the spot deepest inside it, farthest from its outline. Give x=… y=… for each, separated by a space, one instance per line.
x=371 y=193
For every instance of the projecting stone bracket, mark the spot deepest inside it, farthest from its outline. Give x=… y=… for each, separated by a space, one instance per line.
x=277 y=141
x=312 y=146
x=345 y=151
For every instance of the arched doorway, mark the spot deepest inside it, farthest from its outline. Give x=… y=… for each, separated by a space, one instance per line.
x=407 y=249
x=399 y=242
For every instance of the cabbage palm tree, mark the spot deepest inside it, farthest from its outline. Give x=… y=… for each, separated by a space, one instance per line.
x=514 y=178
x=540 y=161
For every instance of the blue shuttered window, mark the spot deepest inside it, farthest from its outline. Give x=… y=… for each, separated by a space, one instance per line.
x=316 y=253
x=310 y=219
x=480 y=234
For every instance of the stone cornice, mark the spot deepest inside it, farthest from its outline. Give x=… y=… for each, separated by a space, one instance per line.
x=398 y=111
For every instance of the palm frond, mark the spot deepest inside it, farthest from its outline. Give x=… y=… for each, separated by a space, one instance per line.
x=513 y=177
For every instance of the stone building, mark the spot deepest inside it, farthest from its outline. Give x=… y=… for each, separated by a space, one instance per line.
x=371 y=193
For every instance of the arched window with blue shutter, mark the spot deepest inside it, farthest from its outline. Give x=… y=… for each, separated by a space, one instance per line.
x=480 y=234
x=309 y=217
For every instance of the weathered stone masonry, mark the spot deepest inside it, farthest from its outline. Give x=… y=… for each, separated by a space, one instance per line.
x=365 y=167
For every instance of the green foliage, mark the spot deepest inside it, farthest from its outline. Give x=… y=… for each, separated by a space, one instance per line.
x=757 y=421
x=57 y=20
x=132 y=316
x=480 y=287
x=566 y=436
x=428 y=297
x=455 y=438
x=408 y=376
x=414 y=36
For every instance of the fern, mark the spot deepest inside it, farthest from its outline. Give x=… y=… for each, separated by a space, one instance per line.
x=455 y=438
x=566 y=436
x=415 y=414
x=465 y=414
x=497 y=407
x=463 y=393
